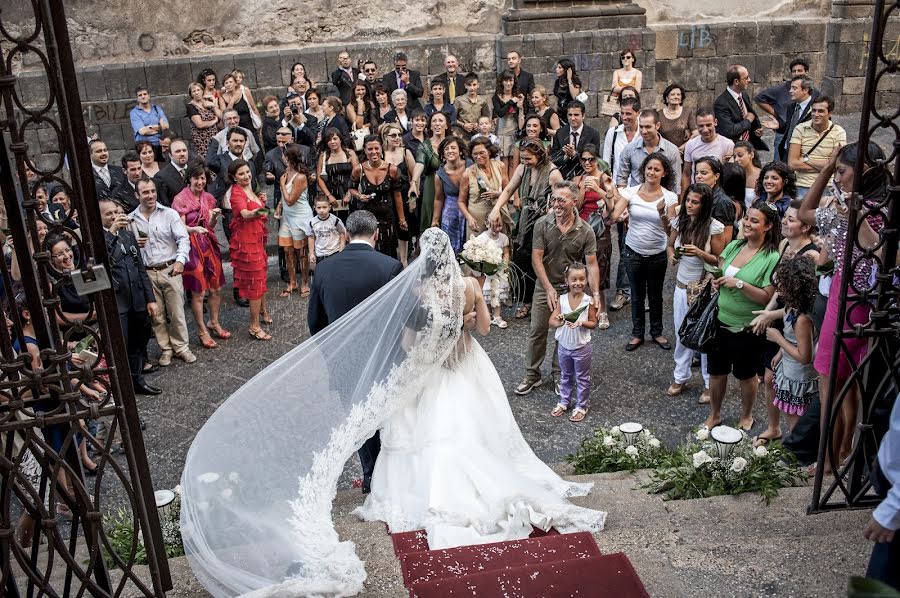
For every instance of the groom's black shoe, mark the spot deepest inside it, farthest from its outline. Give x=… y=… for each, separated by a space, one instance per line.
x=366 y=486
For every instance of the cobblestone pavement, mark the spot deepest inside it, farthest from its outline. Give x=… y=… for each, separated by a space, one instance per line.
x=625 y=386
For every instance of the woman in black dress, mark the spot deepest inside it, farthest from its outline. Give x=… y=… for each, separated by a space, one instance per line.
x=232 y=98
x=336 y=164
x=566 y=88
x=377 y=189
x=397 y=154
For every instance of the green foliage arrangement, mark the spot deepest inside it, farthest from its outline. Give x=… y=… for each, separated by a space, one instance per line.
x=119 y=528
x=608 y=451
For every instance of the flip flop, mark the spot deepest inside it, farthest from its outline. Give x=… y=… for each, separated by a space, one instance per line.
x=559 y=410
x=304 y=293
x=748 y=428
x=760 y=441
x=578 y=415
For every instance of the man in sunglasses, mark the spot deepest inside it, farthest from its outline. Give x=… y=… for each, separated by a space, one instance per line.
x=369 y=73
x=405 y=79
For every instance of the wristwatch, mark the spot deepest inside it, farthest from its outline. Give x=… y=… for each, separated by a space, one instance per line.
x=739 y=284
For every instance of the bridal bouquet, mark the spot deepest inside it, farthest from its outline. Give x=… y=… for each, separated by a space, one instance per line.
x=482 y=256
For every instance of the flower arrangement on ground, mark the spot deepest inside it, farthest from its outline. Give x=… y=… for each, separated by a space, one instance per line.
x=120 y=528
x=612 y=450
x=704 y=469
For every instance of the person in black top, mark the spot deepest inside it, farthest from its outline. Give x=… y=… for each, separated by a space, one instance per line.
x=524 y=79
x=566 y=88
x=403 y=78
x=344 y=77
x=126 y=193
x=134 y=292
x=106 y=176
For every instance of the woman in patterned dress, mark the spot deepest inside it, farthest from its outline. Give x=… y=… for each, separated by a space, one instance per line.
x=203 y=272
x=204 y=114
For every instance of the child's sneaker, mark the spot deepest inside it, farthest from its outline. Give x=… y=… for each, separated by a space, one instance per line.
x=499 y=322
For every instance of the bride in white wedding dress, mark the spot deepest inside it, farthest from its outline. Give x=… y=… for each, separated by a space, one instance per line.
x=262 y=473
x=453 y=461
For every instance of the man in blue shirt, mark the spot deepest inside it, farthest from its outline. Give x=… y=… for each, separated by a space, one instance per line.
x=881 y=529
x=148 y=120
x=776 y=99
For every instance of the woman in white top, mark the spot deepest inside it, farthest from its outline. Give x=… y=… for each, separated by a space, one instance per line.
x=696 y=239
x=295 y=213
x=645 y=244
x=745 y=157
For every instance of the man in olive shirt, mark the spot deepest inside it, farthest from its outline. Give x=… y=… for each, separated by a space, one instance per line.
x=469 y=108
x=560 y=238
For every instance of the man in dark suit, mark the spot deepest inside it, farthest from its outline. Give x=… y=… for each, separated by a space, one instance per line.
x=106 y=176
x=403 y=78
x=344 y=78
x=219 y=164
x=170 y=180
x=126 y=194
x=570 y=140
x=454 y=81
x=798 y=111
x=342 y=282
x=134 y=293
x=524 y=79
x=734 y=113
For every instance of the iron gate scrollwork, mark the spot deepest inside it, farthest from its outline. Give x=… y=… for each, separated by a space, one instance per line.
x=874 y=378
x=43 y=489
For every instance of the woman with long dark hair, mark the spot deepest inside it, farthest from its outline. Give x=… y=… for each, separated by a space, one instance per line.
x=378 y=191
x=696 y=240
x=382 y=103
x=594 y=207
x=534 y=129
x=777 y=185
x=533 y=179
x=361 y=109
x=233 y=98
x=830 y=216
x=205 y=115
x=733 y=183
x=746 y=157
x=428 y=161
x=645 y=244
x=566 y=88
x=335 y=168
x=745 y=286
x=507 y=106
x=708 y=171
x=395 y=153
x=448 y=179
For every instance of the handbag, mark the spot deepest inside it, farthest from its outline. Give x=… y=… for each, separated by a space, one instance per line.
x=610 y=106
x=359 y=136
x=254 y=117
x=695 y=287
x=597 y=221
x=700 y=327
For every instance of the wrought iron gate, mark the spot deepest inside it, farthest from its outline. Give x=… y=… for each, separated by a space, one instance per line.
x=43 y=410
x=877 y=375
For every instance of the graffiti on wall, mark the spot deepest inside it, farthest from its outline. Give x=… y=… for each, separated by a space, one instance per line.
x=698 y=36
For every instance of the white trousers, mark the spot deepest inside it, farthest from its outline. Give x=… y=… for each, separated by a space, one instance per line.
x=683 y=355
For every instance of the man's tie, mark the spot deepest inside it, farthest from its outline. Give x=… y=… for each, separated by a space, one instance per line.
x=575 y=139
x=795 y=118
x=104 y=174
x=746 y=134
x=451 y=87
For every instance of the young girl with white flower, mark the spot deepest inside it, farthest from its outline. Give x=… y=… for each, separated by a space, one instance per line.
x=574 y=318
x=796 y=380
x=496 y=286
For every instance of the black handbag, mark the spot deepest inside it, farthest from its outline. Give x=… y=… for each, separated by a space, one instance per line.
x=699 y=329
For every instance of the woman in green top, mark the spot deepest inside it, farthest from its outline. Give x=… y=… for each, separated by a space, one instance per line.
x=745 y=285
x=427 y=164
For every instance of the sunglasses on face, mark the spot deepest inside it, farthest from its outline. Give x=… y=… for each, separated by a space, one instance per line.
x=393 y=134
x=369 y=70
x=588 y=159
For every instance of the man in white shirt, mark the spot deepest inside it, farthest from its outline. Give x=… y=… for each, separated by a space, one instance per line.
x=165 y=247
x=708 y=143
x=219 y=145
x=614 y=144
x=884 y=565
x=800 y=91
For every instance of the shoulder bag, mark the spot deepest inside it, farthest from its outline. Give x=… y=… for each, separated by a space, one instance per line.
x=610 y=105
x=700 y=326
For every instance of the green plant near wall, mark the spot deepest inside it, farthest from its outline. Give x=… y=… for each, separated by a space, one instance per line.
x=609 y=450
x=120 y=530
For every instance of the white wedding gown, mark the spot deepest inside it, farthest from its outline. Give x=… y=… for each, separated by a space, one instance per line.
x=257 y=522
x=454 y=462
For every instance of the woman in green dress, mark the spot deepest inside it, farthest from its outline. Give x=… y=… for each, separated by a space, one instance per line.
x=427 y=163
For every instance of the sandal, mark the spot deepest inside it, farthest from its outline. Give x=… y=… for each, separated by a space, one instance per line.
x=559 y=410
x=602 y=321
x=304 y=292
x=578 y=415
x=763 y=441
x=287 y=292
x=209 y=343
x=523 y=312
x=260 y=334
x=220 y=332
x=267 y=321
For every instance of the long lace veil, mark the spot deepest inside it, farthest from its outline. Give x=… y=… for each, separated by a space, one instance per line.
x=262 y=473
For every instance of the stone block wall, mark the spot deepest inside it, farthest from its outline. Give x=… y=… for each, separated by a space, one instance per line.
x=696 y=56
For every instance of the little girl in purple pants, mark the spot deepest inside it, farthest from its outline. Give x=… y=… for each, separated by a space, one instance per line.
x=574 y=342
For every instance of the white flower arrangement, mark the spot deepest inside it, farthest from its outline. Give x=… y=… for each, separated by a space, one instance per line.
x=700 y=470
x=486 y=258
x=609 y=450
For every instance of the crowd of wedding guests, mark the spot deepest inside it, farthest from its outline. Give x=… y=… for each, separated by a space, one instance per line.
x=695 y=189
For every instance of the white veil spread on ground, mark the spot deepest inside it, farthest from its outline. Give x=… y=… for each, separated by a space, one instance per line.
x=261 y=474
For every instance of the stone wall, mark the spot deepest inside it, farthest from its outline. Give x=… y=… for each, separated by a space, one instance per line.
x=694 y=55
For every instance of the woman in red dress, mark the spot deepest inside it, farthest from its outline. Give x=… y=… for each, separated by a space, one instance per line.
x=203 y=272
x=248 y=245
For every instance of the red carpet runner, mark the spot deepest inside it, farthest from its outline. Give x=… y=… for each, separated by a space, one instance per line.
x=546 y=565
